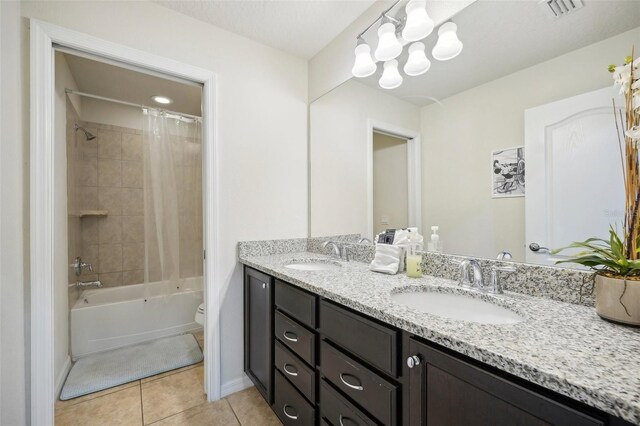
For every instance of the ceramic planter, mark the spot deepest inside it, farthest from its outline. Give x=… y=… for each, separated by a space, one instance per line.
x=618 y=300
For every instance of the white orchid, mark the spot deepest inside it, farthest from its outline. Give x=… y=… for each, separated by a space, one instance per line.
x=633 y=133
x=622 y=77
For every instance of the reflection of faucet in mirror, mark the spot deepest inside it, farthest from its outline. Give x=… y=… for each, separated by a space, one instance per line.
x=336 y=248
x=504 y=255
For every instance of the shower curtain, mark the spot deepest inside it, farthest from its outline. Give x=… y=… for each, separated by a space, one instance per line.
x=172 y=198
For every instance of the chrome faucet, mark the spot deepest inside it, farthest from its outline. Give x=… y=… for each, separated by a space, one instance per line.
x=336 y=248
x=364 y=240
x=495 y=286
x=471 y=274
x=83 y=284
x=78 y=265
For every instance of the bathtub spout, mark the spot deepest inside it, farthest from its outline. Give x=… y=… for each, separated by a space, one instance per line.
x=83 y=284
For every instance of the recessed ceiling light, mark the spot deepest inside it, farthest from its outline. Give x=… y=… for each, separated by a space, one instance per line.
x=161 y=99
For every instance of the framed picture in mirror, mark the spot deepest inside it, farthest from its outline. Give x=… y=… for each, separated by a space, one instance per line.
x=508 y=172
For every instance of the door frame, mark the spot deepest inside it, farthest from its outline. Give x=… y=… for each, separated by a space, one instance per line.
x=42 y=165
x=414 y=171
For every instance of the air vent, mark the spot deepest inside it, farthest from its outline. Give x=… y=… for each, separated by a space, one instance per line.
x=559 y=8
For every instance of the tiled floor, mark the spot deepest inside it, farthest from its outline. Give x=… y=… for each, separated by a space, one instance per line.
x=172 y=398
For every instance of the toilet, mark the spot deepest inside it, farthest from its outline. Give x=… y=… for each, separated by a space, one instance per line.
x=199 y=318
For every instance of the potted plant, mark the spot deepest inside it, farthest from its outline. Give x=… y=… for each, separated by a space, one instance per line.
x=616 y=261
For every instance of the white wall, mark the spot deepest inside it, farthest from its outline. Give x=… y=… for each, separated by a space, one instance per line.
x=459 y=135
x=339 y=153
x=262 y=132
x=104 y=112
x=14 y=293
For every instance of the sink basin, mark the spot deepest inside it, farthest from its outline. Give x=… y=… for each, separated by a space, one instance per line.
x=458 y=307
x=313 y=265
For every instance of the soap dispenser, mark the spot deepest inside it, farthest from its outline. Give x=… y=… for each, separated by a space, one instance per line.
x=435 y=244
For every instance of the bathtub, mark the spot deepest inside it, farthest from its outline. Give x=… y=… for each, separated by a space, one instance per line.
x=110 y=318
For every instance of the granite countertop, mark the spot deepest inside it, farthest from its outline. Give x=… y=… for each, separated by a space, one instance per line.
x=561 y=346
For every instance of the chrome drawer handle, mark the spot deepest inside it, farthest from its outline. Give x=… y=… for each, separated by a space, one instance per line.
x=291 y=416
x=345 y=418
x=291 y=339
x=349 y=384
x=291 y=373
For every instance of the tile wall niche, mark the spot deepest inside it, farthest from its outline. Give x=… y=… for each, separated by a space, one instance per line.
x=109 y=176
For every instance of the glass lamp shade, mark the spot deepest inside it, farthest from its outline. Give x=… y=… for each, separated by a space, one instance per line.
x=388 y=45
x=419 y=24
x=391 y=78
x=448 y=45
x=364 y=65
x=418 y=63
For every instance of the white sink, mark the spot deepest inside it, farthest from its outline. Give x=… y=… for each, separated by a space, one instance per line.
x=458 y=307
x=313 y=265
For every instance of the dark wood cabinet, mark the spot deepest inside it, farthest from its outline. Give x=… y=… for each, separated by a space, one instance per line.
x=317 y=362
x=258 y=331
x=448 y=391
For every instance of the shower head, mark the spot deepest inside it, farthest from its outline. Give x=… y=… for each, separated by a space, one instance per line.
x=90 y=136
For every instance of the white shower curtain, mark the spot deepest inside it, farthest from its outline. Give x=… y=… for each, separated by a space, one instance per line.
x=172 y=198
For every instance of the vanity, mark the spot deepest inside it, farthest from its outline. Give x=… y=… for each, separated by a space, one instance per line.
x=336 y=346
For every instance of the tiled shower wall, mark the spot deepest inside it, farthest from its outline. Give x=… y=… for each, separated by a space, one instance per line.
x=109 y=173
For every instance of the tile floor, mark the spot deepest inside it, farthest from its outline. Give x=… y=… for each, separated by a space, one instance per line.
x=172 y=398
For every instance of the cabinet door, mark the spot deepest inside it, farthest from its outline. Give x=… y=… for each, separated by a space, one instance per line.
x=258 y=331
x=445 y=390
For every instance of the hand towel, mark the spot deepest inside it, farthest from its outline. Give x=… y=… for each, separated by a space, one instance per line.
x=387 y=259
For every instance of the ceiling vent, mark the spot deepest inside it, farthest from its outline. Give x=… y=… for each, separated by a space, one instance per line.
x=559 y=8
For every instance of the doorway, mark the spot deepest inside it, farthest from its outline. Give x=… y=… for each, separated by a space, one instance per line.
x=45 y=38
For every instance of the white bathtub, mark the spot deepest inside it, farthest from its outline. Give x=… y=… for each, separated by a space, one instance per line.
x=110 y=318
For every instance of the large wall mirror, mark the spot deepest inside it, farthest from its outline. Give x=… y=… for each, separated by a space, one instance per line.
x=510 y=145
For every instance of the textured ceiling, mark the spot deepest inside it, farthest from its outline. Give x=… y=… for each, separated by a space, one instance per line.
x=300 y=27
x=98 y=78
x=502 y=37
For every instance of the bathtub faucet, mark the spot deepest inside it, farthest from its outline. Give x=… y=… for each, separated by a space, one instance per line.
x=83 y=284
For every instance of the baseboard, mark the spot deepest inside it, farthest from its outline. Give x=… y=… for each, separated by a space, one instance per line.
x=235 y=385
x=63 y=376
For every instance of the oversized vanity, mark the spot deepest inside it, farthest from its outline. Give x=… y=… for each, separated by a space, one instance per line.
x=337 y=344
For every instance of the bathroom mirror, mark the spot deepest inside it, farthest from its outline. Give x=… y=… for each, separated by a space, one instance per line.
x=527 y=89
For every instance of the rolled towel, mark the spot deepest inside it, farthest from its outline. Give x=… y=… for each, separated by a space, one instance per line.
x=387 y=259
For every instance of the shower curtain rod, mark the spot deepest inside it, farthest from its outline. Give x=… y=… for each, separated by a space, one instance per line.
x=117 y=101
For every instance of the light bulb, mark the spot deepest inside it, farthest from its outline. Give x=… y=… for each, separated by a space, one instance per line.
x=388 y=45
x=391 y=78
x=364 y=65
x=448 y=45
x=419 y=24
x=418 y=63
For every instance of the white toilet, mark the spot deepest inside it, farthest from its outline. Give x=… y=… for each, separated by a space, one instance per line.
x=200 y=314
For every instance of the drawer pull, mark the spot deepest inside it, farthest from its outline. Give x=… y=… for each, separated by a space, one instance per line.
x=346 y=418
x=291 y=416
x=291 y=373
x=356 y=387
x=291 y=339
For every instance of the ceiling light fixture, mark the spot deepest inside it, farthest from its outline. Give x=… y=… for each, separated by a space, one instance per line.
x=419 y=24
x=418 y=63
x=161 y=99
x=391 y=78
x=448 y=45
x=389 y=46
x=413 y=27
x=364 y=65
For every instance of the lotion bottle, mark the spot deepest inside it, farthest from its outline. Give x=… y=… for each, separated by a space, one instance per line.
x=435 y=244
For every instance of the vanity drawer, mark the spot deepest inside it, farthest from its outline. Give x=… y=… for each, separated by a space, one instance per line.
x=295 y=337
x=289 y=405
x=336 y=410
x=296 y=303
x=375 y=394
x=302 y=377
x=371 y=341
